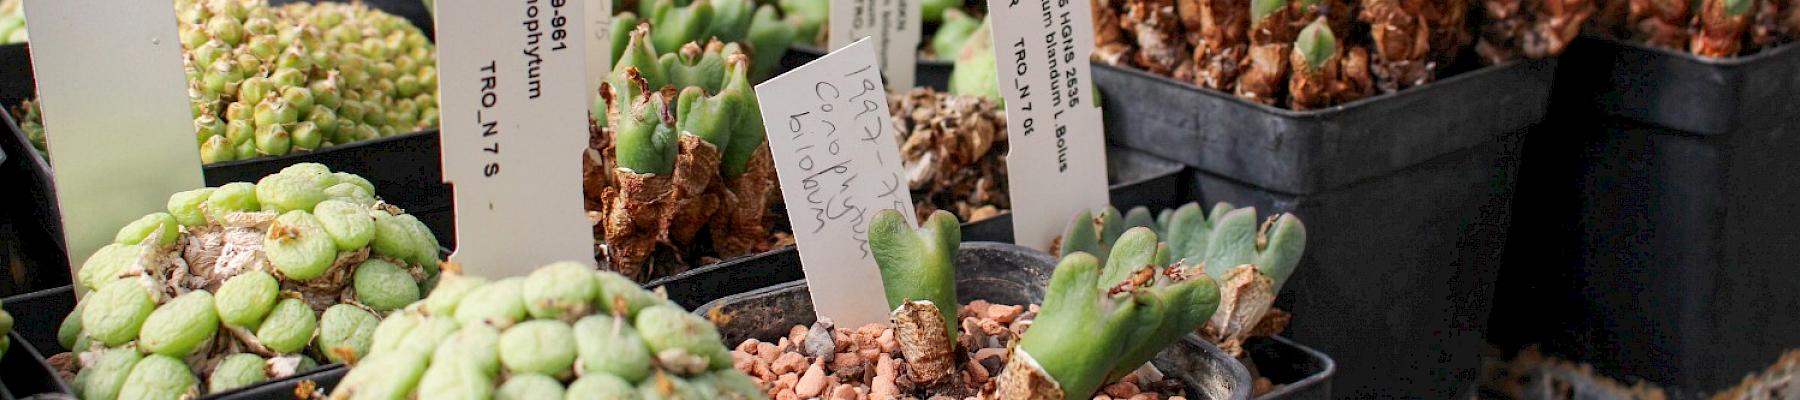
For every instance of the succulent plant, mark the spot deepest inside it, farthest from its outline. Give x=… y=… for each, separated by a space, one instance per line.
x=975 y=73
x=1101 y=320
x=957 y=29
x=6 y=324
x=231 y=281
x=1250 y=262
x=525 y=337
x=269 y=81
x=12 y=22
x=1324 y=72
x=918 y=272
x=682 y=151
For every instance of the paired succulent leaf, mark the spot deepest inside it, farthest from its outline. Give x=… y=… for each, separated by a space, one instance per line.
x=1098 y=324
x=918 y=265
x=1316 y=45
x=975 y=73
x=1260 y=9
x=956 y=30
x=769 y=37
x=677 y=24
x=1092 y=235
x=645 y=132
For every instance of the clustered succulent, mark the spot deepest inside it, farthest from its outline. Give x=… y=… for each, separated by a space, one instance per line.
x=953 y=149
x=12 y=22
x=1708 y=28
x=756 y=29
x=563 y=331
x=681 y=152
x=267 y=81
x=1308 y=54
x=242 y=283
x=1249 y=261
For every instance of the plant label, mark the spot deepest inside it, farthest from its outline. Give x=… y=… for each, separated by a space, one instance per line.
x=599 y=45
x=1057 y=163
x=515 y=127
x=838 y=159
x=116 y=110
x=893 y=26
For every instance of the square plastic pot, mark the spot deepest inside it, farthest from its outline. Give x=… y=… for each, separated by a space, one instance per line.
x=26 y=373
x=996 y=272
x=1661 y=236
x=1299 y=372
x=1138 y=180
x=1406 y=197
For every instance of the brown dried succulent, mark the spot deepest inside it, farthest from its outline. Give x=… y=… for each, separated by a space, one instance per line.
x=954 y=152
x=1153 y=25
x=1219 y=30
x=1721 y=25
x=1402 y=43
x=1555 y=24
x=1660 y=23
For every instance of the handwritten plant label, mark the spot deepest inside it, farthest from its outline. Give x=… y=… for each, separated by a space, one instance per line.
x=894 y=26
x=839 y=162
x=115 y=108
x=514 y=129
x=599 y=45
x=1057 y=162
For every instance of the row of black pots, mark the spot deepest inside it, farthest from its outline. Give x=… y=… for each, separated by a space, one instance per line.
x=997 y=272
x=1654 y=237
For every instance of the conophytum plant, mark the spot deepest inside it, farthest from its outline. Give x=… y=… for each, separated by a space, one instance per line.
x=918 y=274
x=1098 y=324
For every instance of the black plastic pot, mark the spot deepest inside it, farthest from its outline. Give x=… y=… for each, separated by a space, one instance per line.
x=930 y=73
x=1406 y=198
x=1138 y=180
x=996 y=272
x=1662 y=238
x=1299 y=372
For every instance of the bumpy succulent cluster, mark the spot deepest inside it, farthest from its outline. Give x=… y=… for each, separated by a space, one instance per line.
x=1250 y=263
x=1309 y=54
x=1717 y=29
x=1100 y=320
x=267 y=81
x=564 y=331
x=757 y=29
x=682 y=152
x=229 y=283
x=12 y=22
x=954 y=152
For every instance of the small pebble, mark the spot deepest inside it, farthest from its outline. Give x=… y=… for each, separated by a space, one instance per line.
x=975 y=308
x=1004 y=314
x=1121 y=390
x=813 y=383
x=789 y=362
x=1145 y=396
x=798 y=334
x=888 y=342
x=844 y=392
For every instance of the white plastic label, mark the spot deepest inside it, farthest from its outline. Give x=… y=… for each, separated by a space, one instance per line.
x=115 y=108
x=1057 y=162
x=599 y=45
x=838 y=159
x=514 y=129
x=894 y=26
